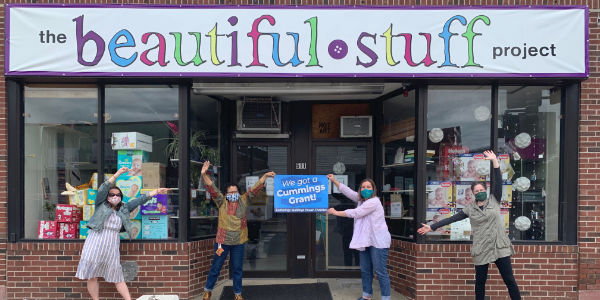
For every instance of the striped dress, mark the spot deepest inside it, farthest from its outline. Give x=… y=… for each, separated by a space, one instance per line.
x=100 y=255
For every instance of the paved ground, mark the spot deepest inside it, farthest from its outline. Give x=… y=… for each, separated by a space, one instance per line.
x=341 y=288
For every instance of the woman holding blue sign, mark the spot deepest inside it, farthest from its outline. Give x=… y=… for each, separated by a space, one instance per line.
x=232 y=231
x=370 y=237
x=100 y=255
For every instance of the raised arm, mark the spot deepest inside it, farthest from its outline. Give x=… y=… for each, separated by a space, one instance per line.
x=215 y=193
x=433 y=227
x=496 y=176
x=105 y=187
x=133 y=203
x=348 y=192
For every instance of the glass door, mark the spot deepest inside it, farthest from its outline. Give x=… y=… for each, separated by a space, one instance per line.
x=266 y=250
x=350 y=163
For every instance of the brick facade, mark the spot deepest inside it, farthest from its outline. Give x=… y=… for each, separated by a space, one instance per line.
x=45 y=270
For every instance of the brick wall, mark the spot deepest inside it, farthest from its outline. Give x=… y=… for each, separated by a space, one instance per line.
x=47 y=270
x=402 y=267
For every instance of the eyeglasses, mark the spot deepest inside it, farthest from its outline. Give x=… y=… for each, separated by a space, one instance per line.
x=114 y=195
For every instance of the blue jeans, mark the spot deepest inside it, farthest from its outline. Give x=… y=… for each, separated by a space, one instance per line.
x=375 y=259
x=236 y=260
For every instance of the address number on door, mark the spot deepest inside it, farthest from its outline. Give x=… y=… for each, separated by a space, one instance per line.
x=301 y=166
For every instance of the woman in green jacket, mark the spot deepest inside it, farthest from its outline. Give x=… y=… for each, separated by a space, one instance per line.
x=490 y=242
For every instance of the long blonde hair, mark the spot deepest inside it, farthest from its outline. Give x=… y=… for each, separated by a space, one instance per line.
x=372 y=185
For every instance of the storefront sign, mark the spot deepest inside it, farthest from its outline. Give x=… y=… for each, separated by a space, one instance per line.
x=256 y=41
x=301 y=193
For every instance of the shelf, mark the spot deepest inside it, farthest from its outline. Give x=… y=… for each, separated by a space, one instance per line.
x=400 y=165
x=398 y=191
x=400 y=218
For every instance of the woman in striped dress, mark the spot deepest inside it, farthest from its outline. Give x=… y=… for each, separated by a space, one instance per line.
x=100 y=256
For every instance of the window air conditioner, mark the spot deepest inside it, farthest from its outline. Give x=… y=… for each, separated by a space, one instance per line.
x=259 y=114
x=355 y=126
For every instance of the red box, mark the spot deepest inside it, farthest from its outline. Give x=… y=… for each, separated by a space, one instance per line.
x=68 y=213
x=68 y=231
x=47 y=230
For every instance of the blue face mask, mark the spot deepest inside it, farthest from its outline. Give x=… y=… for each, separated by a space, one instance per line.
x=233 y=197
x=366 y=193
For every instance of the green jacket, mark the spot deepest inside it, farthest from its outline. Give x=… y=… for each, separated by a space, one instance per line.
x=103 y=209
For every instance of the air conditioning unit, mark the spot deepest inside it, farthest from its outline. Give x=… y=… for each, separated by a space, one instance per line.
x=259 y=114
x=355 y=126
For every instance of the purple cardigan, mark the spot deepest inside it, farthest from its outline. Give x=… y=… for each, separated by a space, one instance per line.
x=370 y=229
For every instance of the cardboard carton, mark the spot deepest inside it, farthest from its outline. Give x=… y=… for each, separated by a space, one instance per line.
x=131 y=141
x=91 y=197
x=94 y=180
x=83 y=229
x=88 y=212
x=130 y=186
x=47 y=230
x=153 y=175
x=68 y=213
x=68 y=231
x=155 y=206
x=132 y=159
x=154 y=227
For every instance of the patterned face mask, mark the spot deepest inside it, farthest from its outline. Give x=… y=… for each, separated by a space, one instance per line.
x=114 y=200
x=233 y=197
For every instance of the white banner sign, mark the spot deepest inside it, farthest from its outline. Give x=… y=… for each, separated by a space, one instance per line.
x=296 y=41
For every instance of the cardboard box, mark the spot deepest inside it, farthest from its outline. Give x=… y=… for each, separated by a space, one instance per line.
x=47 y=230
x=132 y=159
x=94 y=180
x=463 y=195
x=130 y=186
x=68 y=231
x=88 y=211
x=82 y=196
x=136 y=231
x=435 y=215
x=153 y=175
x=91 y=197
x=83 y=229
x=466 y=164
x=68 y=213
x=439 y=194
x=136 y=213
x=154 y=227
x=155 y=206
x=131 y=141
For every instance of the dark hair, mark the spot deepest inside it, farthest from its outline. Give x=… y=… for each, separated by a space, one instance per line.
x=227 y=186
x=372 y=184
x=118 y=206
x=483 y=184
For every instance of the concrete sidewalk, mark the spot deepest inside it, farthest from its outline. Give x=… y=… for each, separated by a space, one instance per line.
x=341 y=288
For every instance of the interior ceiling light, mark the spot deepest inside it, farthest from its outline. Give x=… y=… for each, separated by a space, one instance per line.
x=273 y=89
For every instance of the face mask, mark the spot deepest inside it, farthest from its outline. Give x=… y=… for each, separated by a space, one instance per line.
x=366 y=193
x=233 y=197
x=481 y=196
x=114 y=200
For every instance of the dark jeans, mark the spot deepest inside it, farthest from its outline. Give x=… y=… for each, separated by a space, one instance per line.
x=505 y=269
x=236 y=260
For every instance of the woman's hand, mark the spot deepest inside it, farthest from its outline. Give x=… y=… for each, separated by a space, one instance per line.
x=205 y=167
x=264 y=177
x=119 y=172
x=158 y=191
x=331 y=178
x=490 y=155
x=331 y=211
x=425 y=229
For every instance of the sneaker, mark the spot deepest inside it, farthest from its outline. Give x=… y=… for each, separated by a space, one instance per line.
x=238 y=297
x=206 y=295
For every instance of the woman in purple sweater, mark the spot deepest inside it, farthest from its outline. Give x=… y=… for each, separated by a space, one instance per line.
x=370 y=237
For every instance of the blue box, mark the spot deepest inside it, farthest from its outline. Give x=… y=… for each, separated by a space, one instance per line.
x=133 y=160
x=130 y=186
x=154 y=227
x=83 y=230
x=91 y=196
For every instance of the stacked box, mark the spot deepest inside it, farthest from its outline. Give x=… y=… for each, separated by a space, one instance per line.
x=154 y=227
x=155 y=206
x=439 y=194
x=435 y=215
x=82 y=197
x=66 y=213
x=47 y=229
x=88 y=212
x=83 y=229
x=465 y=166
x=131 y=141
x=91 y=197
x=68 y=230
x=133 y=160
x=154 y=175
x=136 y=229
x=130 y=186
x=94 y=180
x=463 y=195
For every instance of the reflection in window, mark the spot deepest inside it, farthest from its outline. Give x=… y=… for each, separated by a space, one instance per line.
x=398 y=146
x=529 y=141
x=458 y=131
x=141 y=122
x=60 y=148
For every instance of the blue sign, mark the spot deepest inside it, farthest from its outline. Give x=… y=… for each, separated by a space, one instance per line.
x=300 y=193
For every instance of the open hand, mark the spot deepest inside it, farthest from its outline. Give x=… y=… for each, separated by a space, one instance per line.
x=489 y=155
x=205 y=167
x=425 y=229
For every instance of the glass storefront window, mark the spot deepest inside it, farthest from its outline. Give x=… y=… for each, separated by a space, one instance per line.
x=398 y=146
x=140 y=124
x=458 y=131
x=60 y=148
x=529 y=142
x=204 y=145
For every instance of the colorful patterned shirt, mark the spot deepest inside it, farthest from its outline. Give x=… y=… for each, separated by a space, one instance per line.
x=233 y=222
